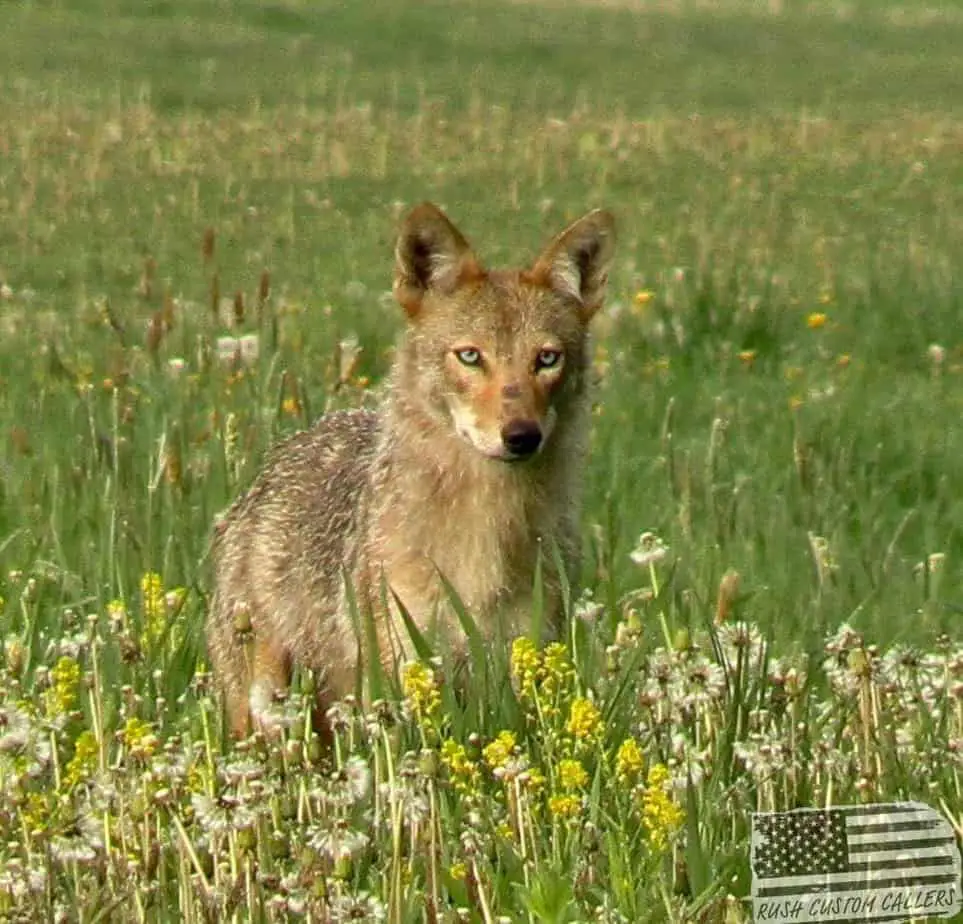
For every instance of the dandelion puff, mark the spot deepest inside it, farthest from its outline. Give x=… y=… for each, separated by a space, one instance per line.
x=587 y=609
x=72 y=849
x=687 y=766
x=361 y=907
x=22 y=742
x=20 y=881
x=221 y=814
x=741 y=642
x=243 y=770
x=704 y=683
x=336 y=840
x=649 y=550
x=407 y=795
x=844 y=639
x=346 y=786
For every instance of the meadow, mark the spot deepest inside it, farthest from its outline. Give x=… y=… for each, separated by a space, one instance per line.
x=197 y=208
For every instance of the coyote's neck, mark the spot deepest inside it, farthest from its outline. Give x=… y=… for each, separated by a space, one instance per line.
x=480 y=521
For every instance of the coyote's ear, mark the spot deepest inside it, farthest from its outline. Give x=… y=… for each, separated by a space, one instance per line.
x=577 y=262
x=431 y=255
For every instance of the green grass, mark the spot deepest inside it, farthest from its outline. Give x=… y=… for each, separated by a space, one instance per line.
x=765 y=165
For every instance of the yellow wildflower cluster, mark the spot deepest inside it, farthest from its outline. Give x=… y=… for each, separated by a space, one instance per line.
x=159 y=607
x=62 y=694
x=572 y=779
x=572 y=775
x=526 y=662
x=152 y=595
x=117 y=611
x=566 y=806
x=421 y=690
x=660 y=815
x=534 y=781
x=542 y=675
x=139 y=738
x=500 y=751
x=84 y=761
x=462 y=770
x=628 y=762
x=584 y=720
x=38 y=810
x=557 y=669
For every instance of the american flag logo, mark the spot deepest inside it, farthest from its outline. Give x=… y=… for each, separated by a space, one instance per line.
x=859 y=863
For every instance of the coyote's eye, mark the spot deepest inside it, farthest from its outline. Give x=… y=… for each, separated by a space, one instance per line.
x=548 y=359
x=469 y=356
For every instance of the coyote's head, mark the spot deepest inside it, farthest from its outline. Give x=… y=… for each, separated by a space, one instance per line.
x=502 y=355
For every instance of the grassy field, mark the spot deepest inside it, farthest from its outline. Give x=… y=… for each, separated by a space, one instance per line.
x=781 y=384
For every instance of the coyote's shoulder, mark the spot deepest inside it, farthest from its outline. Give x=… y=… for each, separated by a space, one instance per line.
x=470 y=469
x=321 y=473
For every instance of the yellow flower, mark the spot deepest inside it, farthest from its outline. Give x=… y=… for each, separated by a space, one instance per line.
x=557 y=671
x=584 y=720
x=421 y=689
x=843 y=360
x=747 y=356
x=533 y=780
x=462 y=770
x=564 y=806
x=815 y=320
x=65 y=677
x=139 y=738
x=38 y=810
x=660 y=815
x=572 y=775
x=84 y=761
x=628 y=761
x=500 y=751
x=152 y=594
x=458 y=871
x=526 y=663
x=643 y=297
x=291 y=406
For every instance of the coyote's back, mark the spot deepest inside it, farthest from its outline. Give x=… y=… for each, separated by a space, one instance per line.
x=471 y=468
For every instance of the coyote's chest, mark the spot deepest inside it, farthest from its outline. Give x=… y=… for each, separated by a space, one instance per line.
x=484 y=545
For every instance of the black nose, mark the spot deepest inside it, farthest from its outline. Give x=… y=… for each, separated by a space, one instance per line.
x=521 y=437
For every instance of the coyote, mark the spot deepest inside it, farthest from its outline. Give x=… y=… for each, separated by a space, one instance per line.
x=470 y=469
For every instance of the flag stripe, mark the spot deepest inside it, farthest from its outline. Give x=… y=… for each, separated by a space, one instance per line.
x=882 y=826
x=889 y=817
x=879 y=809
x=924 y=839
x=790 y=885
x=802 y=882
x=881 y=860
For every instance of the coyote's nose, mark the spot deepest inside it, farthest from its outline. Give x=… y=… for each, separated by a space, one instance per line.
x=522 y=437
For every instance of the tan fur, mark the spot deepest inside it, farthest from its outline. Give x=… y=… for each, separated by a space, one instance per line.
x=442 y=478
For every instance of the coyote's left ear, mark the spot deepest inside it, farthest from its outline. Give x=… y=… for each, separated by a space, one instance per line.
x=577 y=262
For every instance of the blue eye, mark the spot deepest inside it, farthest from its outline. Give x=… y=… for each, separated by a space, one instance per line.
x=548 y=359
x=469 y=356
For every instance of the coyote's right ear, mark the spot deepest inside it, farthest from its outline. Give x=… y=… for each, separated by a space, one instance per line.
x=431 y=255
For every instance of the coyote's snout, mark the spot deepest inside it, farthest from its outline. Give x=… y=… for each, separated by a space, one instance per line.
x=470 y=469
